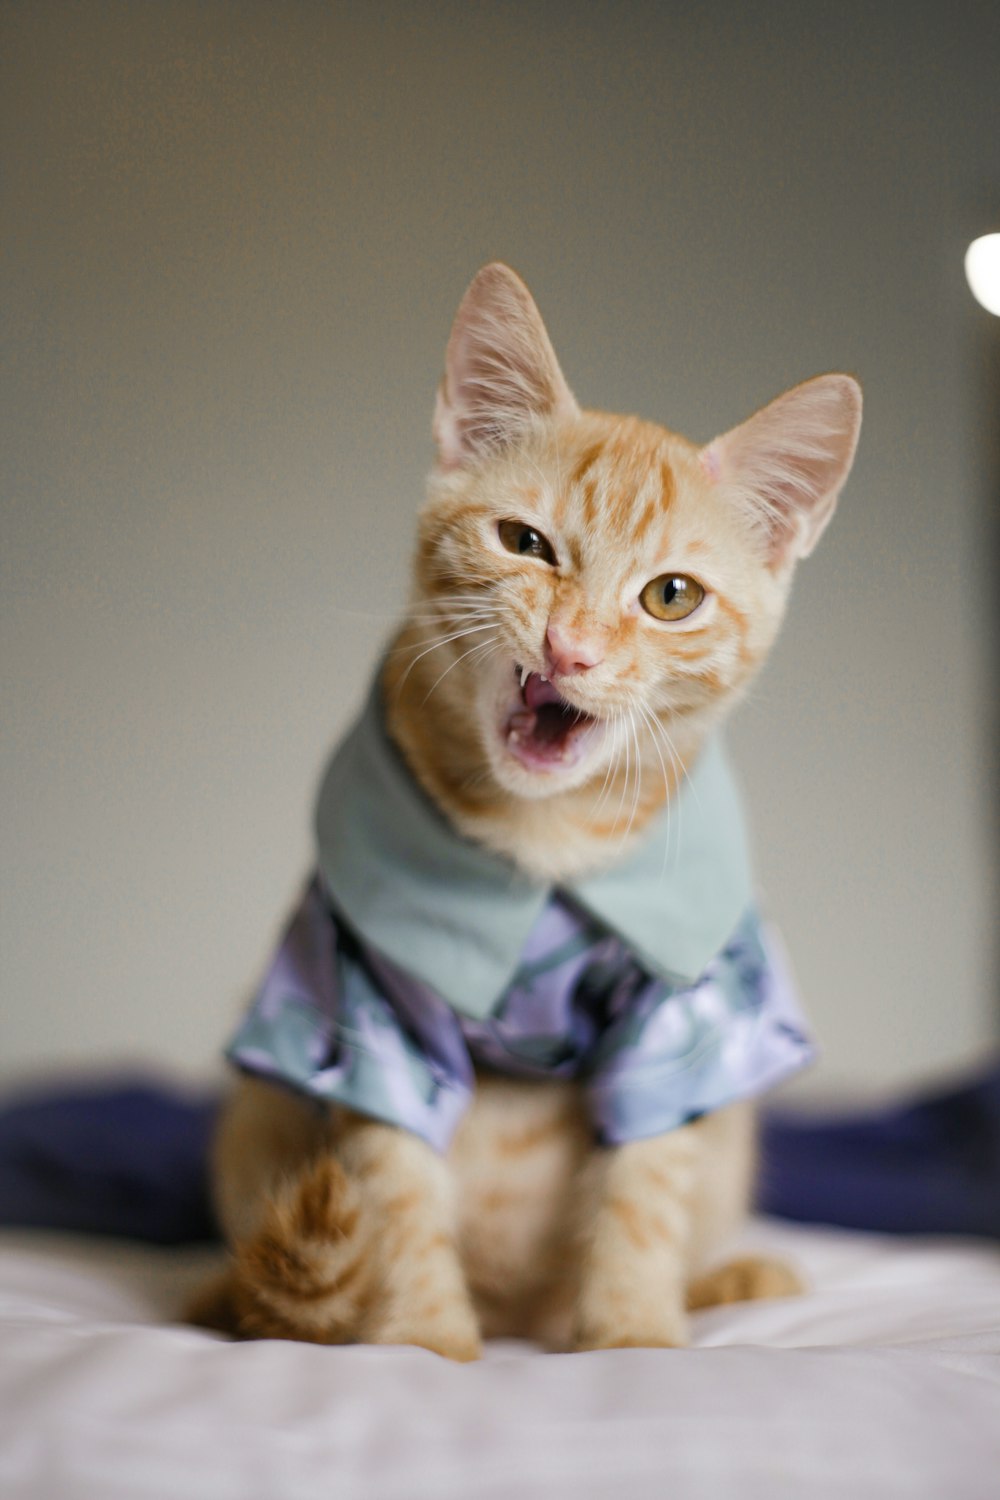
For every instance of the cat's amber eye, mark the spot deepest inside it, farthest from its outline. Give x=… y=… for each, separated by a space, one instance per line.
x=671 y=597
x=517 y=536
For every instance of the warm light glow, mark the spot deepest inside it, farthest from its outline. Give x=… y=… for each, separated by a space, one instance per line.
x=982 y=267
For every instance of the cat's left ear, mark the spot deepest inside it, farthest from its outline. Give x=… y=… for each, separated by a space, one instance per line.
x=501 y=373
x=787 y=464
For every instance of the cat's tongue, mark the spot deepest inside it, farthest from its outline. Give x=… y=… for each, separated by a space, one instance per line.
x=538 y=690
x=547 y=732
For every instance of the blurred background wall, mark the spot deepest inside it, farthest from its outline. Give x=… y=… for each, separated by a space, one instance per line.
x=235 y=236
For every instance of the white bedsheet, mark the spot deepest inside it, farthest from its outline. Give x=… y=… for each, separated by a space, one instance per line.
x=883 y=1381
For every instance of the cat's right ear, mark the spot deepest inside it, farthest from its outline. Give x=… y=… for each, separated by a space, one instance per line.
x=501 y=373
x=787 y=464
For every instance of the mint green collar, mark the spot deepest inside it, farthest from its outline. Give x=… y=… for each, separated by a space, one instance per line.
x=457 y=916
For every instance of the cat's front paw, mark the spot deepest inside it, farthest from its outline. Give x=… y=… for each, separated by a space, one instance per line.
x=661 y=1332
x=453 y=1337
x=463 y=1348
x=748 y=1279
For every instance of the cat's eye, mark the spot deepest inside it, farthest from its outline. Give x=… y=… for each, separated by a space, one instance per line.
x=517 y=536
x=671 y=597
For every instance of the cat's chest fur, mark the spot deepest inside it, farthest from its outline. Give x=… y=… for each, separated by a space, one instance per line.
x=527 y=1185
x=515 y=1159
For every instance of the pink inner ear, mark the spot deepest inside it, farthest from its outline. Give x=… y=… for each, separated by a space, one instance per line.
x=711 y=461
x=447 y=438
x=500 y=370
x=788 y=462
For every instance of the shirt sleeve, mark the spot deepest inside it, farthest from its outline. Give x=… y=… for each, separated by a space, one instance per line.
x=678 y=1054
x=334 y=1023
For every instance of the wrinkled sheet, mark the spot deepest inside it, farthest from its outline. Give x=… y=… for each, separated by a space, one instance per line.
x=882 y=1381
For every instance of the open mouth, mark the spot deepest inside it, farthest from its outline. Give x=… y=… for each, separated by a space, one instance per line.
x=544 y=732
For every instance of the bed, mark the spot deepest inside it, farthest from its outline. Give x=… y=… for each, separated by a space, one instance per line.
x=882 y=1381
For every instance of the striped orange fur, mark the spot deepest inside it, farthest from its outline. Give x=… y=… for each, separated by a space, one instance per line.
x=342 y=1228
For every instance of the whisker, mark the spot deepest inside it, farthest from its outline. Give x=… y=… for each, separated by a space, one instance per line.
x=683 y=768
x=655 y=729
x=638 y=775
x=675 y=807
x=441 y=640
x=453 y=606
x=454 y=614
x=621 y=799
x=447 y=608
x=650 y=723
x=434 y=646
x=472 y=651
x=611 y=766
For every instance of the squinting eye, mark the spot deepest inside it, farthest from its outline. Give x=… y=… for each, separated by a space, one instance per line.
x=671 y=597
x=518 y=537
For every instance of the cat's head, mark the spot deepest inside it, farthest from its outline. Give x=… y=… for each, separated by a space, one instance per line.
x=592 y=589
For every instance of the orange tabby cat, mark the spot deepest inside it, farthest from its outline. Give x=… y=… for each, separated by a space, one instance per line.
x=591 y=595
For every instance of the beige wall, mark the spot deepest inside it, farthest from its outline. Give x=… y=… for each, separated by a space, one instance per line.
x=235 y=237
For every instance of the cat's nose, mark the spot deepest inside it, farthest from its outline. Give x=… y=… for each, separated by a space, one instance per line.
x=569 y=652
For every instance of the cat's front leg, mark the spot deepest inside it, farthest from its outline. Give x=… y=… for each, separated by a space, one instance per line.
x=409 y=1196
x=637 y=1220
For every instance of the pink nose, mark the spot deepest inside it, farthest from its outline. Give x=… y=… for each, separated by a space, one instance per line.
x=568 y=653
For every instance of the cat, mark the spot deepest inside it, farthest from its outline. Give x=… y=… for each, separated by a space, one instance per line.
x=591 y=595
